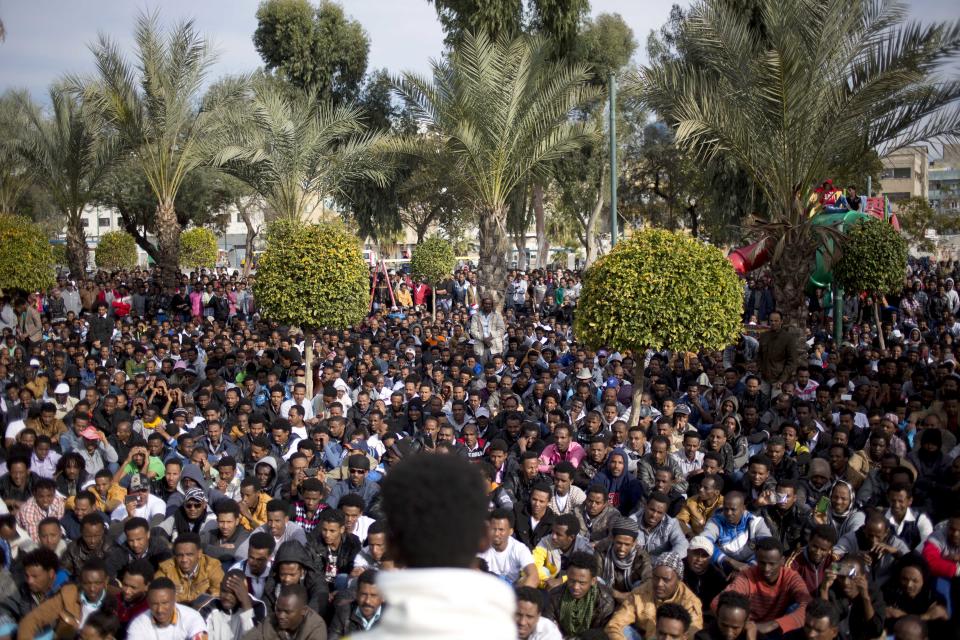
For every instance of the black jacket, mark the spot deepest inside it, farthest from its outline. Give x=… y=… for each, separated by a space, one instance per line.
x=345 y=554
x=213 y=545
x=602 y=610
x=791 y=527
x=318 y=593
x=526 y=534
x=345 y=621
x=120 y=555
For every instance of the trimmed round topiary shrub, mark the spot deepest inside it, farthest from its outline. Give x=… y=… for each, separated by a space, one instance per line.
x=873 y=259
x=198 y=248
x=26 y=257
x=116 y=250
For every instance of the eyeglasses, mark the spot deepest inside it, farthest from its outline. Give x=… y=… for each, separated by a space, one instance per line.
x=358 y=472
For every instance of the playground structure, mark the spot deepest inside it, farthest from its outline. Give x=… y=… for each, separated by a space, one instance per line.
x=832 y=212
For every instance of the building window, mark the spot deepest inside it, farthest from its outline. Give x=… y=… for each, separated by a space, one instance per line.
x=896 y=197
x=86 y=223
x=104 y=222
x=897 y=173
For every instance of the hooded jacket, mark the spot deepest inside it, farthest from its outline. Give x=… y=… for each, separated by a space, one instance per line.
x=192 y=472
x=311 y=628
x=623 y=491
x=273 y=488
x=318 y=594
x=436 y=604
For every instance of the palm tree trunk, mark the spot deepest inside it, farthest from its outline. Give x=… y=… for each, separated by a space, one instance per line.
x=76 y=245
x=789 y=279
x=590 y=234
x=493 y=249
x=248 y=240
x=168 y=243
x=540 y=220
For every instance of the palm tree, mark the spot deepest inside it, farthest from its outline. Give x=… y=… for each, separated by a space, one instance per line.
x=295 y=150
x=69 y=154
x=14 y=173
x=155 y=106
x=789 y=88
x=502 y=109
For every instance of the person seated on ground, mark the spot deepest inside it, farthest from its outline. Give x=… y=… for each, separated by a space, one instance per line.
x=876 y=544
x=553 y=552
x=83 y=504
x=44 y=503
x=132 y=597
x=292 y=564
x=623 y=491
x=67 y=610
x=911 y=591
x=566 y=496
x=636 y=617
x=841 y=514
x=359 y=468
x=812 y=560
x=42 y=578
x=787 y=517
x=102 y=625
x=291 y=618
x=165 y=618
x=256 y=566
x=531 y=625
x=821 y=621
x=732 y=532
x=196 y=575
x=777 y=594
x=362 y=612
x=253 y=504
x=277 y=525
x=659 y=533
x=50 y=536
x=139 y=544
x=596 y=514
x=508 y=558
x=581 y=603
x=732 y=621
x=700 y=575
x=624 y=565
x=221 y=541
x=234 y=613
x=910 y=628
x=862 y=611
x=673 y=622
x=909 y=525
x=698 y=509
x=373 y=553
x=140 y=503
x=333 y=549
x=92 y=543
x=108 y=493
x=533 y=519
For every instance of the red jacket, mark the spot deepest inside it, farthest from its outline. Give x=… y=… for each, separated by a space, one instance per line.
x=770 y=602
x=940 y=567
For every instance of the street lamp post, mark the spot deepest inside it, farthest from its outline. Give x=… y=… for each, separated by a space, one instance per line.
x=613 y=160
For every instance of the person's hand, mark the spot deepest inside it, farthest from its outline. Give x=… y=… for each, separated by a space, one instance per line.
x=736 y=565
x=750 y=629
x=130 y=502
x=767 y=627
x=820 y=517
x=863 y=588
x=238 y=587
x=766 y=498
x=830 y=576
x=245 y=511
x=554 y=582
x=893 y=612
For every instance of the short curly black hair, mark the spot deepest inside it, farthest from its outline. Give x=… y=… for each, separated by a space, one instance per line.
x=674 y=611
x=436 y=508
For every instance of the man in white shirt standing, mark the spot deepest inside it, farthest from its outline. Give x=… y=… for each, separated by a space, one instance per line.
x=167 y=620
x=507 y=557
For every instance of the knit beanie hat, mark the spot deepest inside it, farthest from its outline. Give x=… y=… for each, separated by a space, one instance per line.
x=626 y=527
x=670 y=559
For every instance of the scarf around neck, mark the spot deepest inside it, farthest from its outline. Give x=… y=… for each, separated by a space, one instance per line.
x=576 y=615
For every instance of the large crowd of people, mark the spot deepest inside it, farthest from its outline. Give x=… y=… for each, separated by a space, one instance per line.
x=472 y=470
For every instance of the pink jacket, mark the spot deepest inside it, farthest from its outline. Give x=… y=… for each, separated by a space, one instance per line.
x=551 y=456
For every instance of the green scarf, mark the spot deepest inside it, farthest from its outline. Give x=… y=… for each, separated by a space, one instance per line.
x=576 y=615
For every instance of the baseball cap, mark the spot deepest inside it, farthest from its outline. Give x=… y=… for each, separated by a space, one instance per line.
x=703 y=543
x=359 y=462
x=90 y=433
x=138 y=482
x=34 y=362
x=61 y=389
x=195 y=494
x=682 y=409
x=483 y=412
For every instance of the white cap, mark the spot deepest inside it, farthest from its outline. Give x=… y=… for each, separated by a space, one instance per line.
x=703 y=543
x=34 y=362
x=62 y=389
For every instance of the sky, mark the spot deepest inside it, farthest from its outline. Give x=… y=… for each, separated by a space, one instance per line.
x=49 y=38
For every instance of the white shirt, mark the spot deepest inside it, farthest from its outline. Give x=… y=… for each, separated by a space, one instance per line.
x=306 y=406
x=154 y=506
x=187 y=625
x=546 y=629
x=924 y=526
x=14 y=429
x=510 y=562
x=362 y=526
x=687 y=466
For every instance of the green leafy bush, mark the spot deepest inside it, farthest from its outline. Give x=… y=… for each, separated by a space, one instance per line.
x=433 y=259
x=312 y=276
x=26 y=258
x=661 y=290
x=59 y=253
x=116 y=250
x=873 y=259
x=198 y=248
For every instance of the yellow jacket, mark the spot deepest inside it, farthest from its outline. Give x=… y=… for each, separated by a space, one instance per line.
x=205 y=580
x=259 y=514
x=695 y=515
x=640 y=611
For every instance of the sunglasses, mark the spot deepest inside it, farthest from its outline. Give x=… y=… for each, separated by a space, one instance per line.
x=358 y=472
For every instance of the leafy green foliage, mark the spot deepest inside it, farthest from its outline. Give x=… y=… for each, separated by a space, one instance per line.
x=312 y=276
x=26 y=258
x=433 y=259
x=606 y=43
x=661 y=290
x=15 y=176
x=318 y=49
x=59 y=252
x=559 y=20
x=874 y=259
x=916 y=216
x=118 y=250
x=198 y=248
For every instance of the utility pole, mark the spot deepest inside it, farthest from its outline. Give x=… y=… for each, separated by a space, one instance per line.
x=613 y=160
